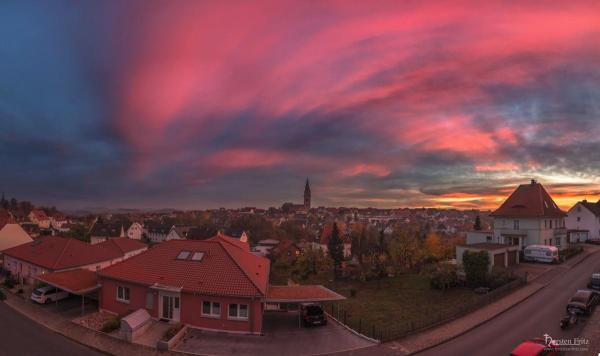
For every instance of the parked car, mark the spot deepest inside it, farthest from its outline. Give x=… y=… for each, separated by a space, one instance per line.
x=48 y=294
x=313 y=314
x=583 y=301
x=541 y=253
x=594 y=282
x=535 y=347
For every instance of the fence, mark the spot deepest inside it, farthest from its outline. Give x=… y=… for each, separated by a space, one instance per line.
x=395 y=329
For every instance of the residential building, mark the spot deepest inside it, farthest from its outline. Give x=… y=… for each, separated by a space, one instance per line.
x=213 y=284
x=135 y=231
x=39 y=217
x=286 y=249
x=179 y=232
x=583 y=221
x=102 y=231
x=528 y=217
x=500 y=255
x=11 y=233
x=157 y=233
x=53 y=253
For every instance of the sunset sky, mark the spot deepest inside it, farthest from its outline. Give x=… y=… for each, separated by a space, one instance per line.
x=199 y=104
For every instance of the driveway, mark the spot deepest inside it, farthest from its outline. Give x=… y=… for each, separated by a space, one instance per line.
x=70 y=308
x=20 y=336
x=282 y=336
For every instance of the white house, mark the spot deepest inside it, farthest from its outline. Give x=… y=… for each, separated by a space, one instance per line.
x=583 y=221
x=157 y=233
x=39 y=217
x=528 y=217
x=135 y=231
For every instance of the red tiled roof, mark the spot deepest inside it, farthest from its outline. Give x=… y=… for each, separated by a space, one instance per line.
x=39 y=214
x=56 y=253
x=301 y=293
x=230 y=240
x=77 y=281
x=226 y=268
x=123 y=244
x=529 y=200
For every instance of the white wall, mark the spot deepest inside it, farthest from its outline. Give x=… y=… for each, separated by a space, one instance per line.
x=587 y=221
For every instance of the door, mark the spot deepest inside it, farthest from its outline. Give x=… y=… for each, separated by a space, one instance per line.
x=512 y=258
x=499 y=260
x=170 y=307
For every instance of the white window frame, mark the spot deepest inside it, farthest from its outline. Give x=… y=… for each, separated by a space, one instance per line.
x=238 y=313
x=212 y=313
x=125 y=297
x=516 y=225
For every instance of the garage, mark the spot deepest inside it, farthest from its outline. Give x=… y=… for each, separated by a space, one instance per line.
x=512 y=258
x=499 y=259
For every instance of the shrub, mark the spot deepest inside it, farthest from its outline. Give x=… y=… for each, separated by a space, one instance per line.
x=352 y=293
x=20 y=291
x=498 y=278
x=476 y=267
x=443 y=276
x=2 y=295
x=570 y=252
x=172 y=331
x=111 y=325
x=9 y=282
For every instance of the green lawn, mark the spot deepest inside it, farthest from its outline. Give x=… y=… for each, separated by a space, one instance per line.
x=396 y=305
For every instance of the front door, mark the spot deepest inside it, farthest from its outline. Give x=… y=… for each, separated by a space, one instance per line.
x=170 y=307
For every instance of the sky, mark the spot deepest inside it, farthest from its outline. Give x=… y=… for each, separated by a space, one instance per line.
x=205 y=104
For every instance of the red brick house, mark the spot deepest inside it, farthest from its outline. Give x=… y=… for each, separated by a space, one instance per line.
x=214 y=284
x=52 y=254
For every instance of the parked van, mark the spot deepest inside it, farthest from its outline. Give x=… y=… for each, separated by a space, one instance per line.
x=541 y=253
x=48 y=294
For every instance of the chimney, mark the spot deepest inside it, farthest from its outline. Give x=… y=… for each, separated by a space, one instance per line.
x=533 y=182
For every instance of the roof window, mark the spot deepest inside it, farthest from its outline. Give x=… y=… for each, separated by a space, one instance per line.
x=197 y=256
x=183 y=255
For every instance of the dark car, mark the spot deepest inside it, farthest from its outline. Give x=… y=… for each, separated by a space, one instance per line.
x=594 y=282
x=313 y=314
x=583 y=301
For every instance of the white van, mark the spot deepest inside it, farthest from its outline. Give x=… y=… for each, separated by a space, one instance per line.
x=48 y=294
x=541 y=253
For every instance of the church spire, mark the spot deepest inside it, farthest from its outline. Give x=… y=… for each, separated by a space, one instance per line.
x=307 y=195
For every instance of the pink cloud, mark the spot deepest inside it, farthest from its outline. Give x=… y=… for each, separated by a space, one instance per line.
x=366 y=168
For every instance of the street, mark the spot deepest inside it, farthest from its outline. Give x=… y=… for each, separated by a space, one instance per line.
x=534 y=317
x=19 y=336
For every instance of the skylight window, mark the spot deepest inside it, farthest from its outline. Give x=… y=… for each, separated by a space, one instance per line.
x=183 y=255
x=197 y=256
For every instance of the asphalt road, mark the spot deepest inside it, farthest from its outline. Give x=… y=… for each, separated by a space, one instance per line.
x=19 y=336
x=536 y=316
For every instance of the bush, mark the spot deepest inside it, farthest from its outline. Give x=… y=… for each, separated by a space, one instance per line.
x=570 y=252
x=443 y=276
x=498 y=278
x=20 y=291
x=352 y=293
x=111 y=325
x=171 y=332
x=2 y=295
x=476 y=267
x=9 y=282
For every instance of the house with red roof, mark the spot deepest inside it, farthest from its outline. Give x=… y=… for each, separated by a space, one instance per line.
x=39 y=217
x=214 y=284
x=326 y=235
x=53 y=254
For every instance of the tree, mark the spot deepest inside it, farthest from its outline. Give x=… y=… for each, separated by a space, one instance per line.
x=477 y=225
x=405 y=249
x=476 y=267
x=312 y=261
x=381 y=244
x=434 y=246
x=335 y=246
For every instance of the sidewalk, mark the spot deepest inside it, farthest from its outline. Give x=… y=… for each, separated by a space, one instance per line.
x=93 y=339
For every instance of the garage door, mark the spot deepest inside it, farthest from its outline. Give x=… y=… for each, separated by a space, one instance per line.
x=499 y=260
x=512 y=258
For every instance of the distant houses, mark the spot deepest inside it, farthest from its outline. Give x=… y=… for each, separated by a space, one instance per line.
x=11 y=233
x=583 y=221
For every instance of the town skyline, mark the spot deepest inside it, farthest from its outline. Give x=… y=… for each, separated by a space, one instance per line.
x=383 y=105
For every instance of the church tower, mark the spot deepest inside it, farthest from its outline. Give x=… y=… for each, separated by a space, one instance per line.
x=307 y=195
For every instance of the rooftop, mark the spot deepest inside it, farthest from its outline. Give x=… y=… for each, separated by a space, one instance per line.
x=529 y=200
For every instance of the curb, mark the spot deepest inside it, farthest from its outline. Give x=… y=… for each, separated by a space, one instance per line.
x=502 y=312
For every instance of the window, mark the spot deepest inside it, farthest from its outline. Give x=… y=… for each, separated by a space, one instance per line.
x=211 y=309
x=488 y=238
x=149 y=300
x=123 y=294
x=183 y=255
x=516 y=224
x=550 y=242
x=197 y=256
x=578 y=218
x=238 y=311
x=558 y=242
x=551 y=224
x=545 y=224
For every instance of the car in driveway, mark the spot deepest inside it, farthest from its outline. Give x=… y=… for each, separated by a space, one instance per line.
x=594 y=281
x=583 y=301
x=313 y=314
x=535 y=347
x=48 y=294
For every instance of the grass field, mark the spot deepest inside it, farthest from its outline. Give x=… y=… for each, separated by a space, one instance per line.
x=396 y=305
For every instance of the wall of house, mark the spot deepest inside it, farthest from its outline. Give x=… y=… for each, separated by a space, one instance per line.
x=12 y=235
x=135 y=231
x=475 y=237
x=190 y=307
x=172 y=235
x=538 y=230
x=587 y=221
x=22 y=269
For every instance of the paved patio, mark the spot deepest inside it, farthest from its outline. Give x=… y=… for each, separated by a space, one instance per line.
x=282 y=336
x=154 y=333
